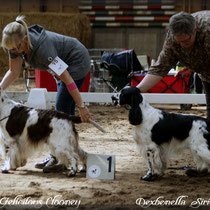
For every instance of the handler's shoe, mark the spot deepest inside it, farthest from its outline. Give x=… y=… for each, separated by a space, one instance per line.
x=54 y=168
x=196 y=173
x=51 y=160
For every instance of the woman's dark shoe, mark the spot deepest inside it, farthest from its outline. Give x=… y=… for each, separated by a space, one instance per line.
x=54 y=168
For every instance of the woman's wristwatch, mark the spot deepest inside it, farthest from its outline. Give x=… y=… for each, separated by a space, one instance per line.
x=81 y=106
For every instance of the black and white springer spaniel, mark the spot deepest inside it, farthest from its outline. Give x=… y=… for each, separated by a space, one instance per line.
x=158 y=134
x=24 y=130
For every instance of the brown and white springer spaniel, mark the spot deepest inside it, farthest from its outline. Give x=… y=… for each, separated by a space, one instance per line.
x=24 y=130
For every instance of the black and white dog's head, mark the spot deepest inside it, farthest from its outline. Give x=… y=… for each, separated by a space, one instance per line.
x=132 y=96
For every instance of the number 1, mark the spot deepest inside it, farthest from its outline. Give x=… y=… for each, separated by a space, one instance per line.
x=110 y=163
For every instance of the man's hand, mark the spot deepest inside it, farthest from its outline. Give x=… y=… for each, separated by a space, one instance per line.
x=184 y=72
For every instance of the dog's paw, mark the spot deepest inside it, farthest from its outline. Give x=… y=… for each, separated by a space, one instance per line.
x=82 y=169
x=23 y=162
x=71 y=173
x=115 y=99
x=149 y=177
x=4 y=170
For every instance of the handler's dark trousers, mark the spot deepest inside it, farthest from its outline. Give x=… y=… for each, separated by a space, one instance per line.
x=64 y=101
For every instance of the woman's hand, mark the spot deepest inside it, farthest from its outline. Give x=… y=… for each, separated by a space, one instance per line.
x=73 y=90
x=84 y=114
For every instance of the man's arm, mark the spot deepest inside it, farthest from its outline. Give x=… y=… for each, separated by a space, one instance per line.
x=148 y=82
x=166 y=60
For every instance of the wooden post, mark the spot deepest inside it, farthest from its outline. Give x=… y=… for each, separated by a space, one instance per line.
x=189 y=6
x=19 y=6
x=43 y=6
x=61 y=6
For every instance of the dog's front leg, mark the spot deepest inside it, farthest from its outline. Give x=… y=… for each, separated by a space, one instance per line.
x=7 y=163
x=73 y=169
x=6 y=167
x=14 y=157
x=83 y=158
x=150 y=176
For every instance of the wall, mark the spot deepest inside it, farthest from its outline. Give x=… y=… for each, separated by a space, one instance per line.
x=147 y=41
x=143 y=40
x=134 y=24
x=192 y=5
x=69 y=24
x=39 y=6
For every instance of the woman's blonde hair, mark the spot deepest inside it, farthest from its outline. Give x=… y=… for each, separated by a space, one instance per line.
x=15 y=32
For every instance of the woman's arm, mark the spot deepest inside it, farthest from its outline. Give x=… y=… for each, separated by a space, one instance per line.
x=67 y=79
x=13 y=73
x=84 y=112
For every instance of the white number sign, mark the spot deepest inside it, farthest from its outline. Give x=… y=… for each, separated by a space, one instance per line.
x=100 y=166
x=58 y=66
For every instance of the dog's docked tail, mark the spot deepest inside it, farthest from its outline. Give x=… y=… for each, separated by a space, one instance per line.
x=75 y=119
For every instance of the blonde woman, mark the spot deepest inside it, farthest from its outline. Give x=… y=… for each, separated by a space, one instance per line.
x=43 y=49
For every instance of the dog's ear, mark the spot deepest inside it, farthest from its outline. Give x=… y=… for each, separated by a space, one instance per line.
x=136 y=98
x=132 y=96
x=135 y=116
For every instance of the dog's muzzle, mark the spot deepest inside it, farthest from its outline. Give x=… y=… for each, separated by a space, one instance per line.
x=115 y=99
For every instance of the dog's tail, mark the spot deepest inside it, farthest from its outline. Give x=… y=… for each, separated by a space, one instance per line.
x=75 y=119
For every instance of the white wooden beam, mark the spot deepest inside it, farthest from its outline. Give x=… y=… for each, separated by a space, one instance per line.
x=18 y=95
x=175 y=98
x=106 y=97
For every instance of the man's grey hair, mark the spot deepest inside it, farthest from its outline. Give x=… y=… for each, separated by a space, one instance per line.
x=182 y=23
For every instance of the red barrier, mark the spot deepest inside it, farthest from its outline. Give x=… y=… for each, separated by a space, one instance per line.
x=44 y=79
x=168 y=84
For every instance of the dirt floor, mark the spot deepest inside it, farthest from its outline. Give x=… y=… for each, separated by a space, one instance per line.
x=28 y=185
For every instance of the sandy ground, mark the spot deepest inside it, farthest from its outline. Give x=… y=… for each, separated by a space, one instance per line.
x=30 y=185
